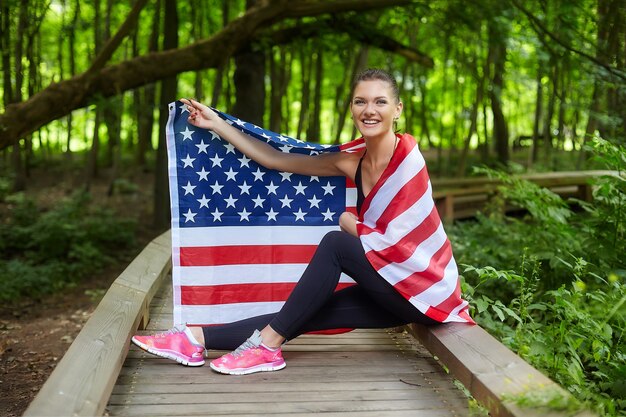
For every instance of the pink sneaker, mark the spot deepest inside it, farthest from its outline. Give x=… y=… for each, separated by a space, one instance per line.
x=173 y=344
x=252 y=356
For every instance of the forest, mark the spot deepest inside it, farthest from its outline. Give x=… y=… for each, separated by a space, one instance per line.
x=490 y=87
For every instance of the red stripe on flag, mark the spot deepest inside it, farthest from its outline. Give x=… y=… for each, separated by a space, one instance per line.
x=246 y=254
x=418 y=282
x=239 y=293
x=405 y=247
x=405 y=145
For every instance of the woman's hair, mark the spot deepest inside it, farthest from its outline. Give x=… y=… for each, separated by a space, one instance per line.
x=377 y=74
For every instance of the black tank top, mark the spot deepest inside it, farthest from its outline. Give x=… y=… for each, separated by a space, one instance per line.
x=360 y=197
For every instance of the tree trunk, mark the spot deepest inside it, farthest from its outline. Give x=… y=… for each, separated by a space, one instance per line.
x=279 y=82
x=19 y=181
x=313 y=133
x=72 y=58
x=421 y=84
x=306 y=61
x=497 y=47
x=168 y=94
x=145 y=112
x=223 y=67
x=478 y=99
x=360 y=63
x=547 y=124
x=534 y=152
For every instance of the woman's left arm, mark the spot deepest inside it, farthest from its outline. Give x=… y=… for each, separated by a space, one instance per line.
x=347 y=223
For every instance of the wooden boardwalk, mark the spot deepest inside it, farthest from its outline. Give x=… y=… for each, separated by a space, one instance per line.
x=361 y=373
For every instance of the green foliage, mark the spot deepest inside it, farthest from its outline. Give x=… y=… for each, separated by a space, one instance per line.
x=43 y=252
x=554 y=288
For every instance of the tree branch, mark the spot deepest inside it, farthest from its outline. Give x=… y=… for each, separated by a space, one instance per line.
x=111 y=46
x=539 y=27
x=59 y=99
x=353 y=27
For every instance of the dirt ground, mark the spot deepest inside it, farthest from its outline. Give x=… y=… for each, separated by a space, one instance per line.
x=35 y=334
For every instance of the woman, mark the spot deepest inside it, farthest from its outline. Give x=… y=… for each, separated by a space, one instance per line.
x=412 y=280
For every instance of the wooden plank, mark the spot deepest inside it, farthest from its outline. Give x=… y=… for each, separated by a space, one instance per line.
x=81 y=383
x=489 y=370
x=276 y=386
x=388 y=413
x=278 y=407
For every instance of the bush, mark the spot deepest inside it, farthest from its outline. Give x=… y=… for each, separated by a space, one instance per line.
x=43 y=252
x=563 y=307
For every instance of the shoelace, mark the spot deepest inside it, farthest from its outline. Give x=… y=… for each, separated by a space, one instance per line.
x=248 y=344
x=173 y=330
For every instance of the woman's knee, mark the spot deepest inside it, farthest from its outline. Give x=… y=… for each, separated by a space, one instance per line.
x=337 y=239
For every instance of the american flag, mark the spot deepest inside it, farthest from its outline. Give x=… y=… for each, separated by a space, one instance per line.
x=242 y=234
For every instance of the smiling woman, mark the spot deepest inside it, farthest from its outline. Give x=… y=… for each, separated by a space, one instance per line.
x=394 y=247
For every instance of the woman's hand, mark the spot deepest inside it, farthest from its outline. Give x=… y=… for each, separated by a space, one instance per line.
x=347 y=223
x=200 y=115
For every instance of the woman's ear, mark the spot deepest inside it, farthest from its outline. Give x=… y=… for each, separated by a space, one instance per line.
x=399 y=108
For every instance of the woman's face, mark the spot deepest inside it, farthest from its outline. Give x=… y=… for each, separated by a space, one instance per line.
x=374 y=108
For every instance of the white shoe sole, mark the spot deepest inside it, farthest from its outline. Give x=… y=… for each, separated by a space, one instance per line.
x=246 y=371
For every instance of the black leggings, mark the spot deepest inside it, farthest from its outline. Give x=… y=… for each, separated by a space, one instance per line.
x=314 y=304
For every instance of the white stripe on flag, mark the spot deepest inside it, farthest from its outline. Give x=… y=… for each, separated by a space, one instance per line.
x=244 y=274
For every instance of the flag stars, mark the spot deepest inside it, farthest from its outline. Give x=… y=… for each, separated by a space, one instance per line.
x=299 y=214
x=189 y=188
x=271 y=215
x=244 y=161
x=258 y=174
x=189 y=216
x=300 y=188
x=328 y=215
x=203 y=174
x=183 y=108
x=271 y=189
x=216 y=161
x=202 y=147
x=283 y=138
x=214 y=136
x=187 y=133
x=188 y=162
x=217 y=188
x=245 y=188
x=230 y=201
x=229 y=148
x=244 y=215
x=328 y=189
x=286 y=176
x=217 y=215
x=315 y=202
x=265 y=136
x=240 y=122
x=286 y=201
x=258 y=201
x=285 y=148
x=315 y=178
x=204 y=202
x=230 y=174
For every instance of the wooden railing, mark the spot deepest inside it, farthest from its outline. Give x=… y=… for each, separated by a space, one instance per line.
x=462 y=197
x=82 y=382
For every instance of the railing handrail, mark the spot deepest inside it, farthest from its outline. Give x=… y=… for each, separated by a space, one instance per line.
x=82 y=382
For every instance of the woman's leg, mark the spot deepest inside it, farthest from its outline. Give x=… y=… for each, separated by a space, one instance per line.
x=314 y=305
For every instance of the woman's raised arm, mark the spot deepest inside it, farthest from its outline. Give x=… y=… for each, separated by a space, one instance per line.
x=327 y=164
